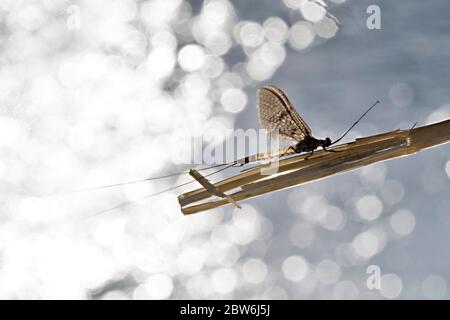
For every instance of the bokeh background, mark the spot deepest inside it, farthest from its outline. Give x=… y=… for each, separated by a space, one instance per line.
x=97 y=92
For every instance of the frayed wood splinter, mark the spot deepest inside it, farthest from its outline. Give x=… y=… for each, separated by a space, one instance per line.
x=210 y=188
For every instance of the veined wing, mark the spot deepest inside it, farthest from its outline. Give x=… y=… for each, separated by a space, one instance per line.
x=277 y=113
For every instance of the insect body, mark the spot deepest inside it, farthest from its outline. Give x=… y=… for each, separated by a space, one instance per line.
x=309 y=144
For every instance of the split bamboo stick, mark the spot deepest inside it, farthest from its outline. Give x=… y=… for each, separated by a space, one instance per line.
x=298 y=170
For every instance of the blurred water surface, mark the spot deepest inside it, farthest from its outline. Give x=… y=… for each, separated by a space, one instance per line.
x=99 y=92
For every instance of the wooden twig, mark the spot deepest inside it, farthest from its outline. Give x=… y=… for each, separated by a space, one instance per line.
x=211 y=188
x=298 y=170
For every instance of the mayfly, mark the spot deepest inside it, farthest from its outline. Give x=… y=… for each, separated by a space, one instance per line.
x=276 y=114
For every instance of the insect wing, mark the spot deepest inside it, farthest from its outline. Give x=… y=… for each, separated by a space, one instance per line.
x=276 y=113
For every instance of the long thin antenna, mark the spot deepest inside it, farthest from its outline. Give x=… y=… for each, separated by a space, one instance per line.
x=127 y=203
x=351 y=127
x=138 y=181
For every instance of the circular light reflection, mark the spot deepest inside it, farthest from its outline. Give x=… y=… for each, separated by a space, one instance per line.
x=224 y=280
x=369 y=207
x=334 y=220
x=391 y=286
x=191 y=260
x=295 y=268
x=191 y=57
x=275 y=29
x=403 y=222
x=392 y=192
x=254 y=271
x=158 y=286
x=301 y=35
x=401 y=94
x=312 y=11
x=328 y=271
x=234 y=100
x=326 y=28
x=374 y=174
x=366 y=244
x=251 y=34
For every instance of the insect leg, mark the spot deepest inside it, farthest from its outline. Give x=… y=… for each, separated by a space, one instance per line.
x=328 y=150
x=309 y=155
x=237 y=164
